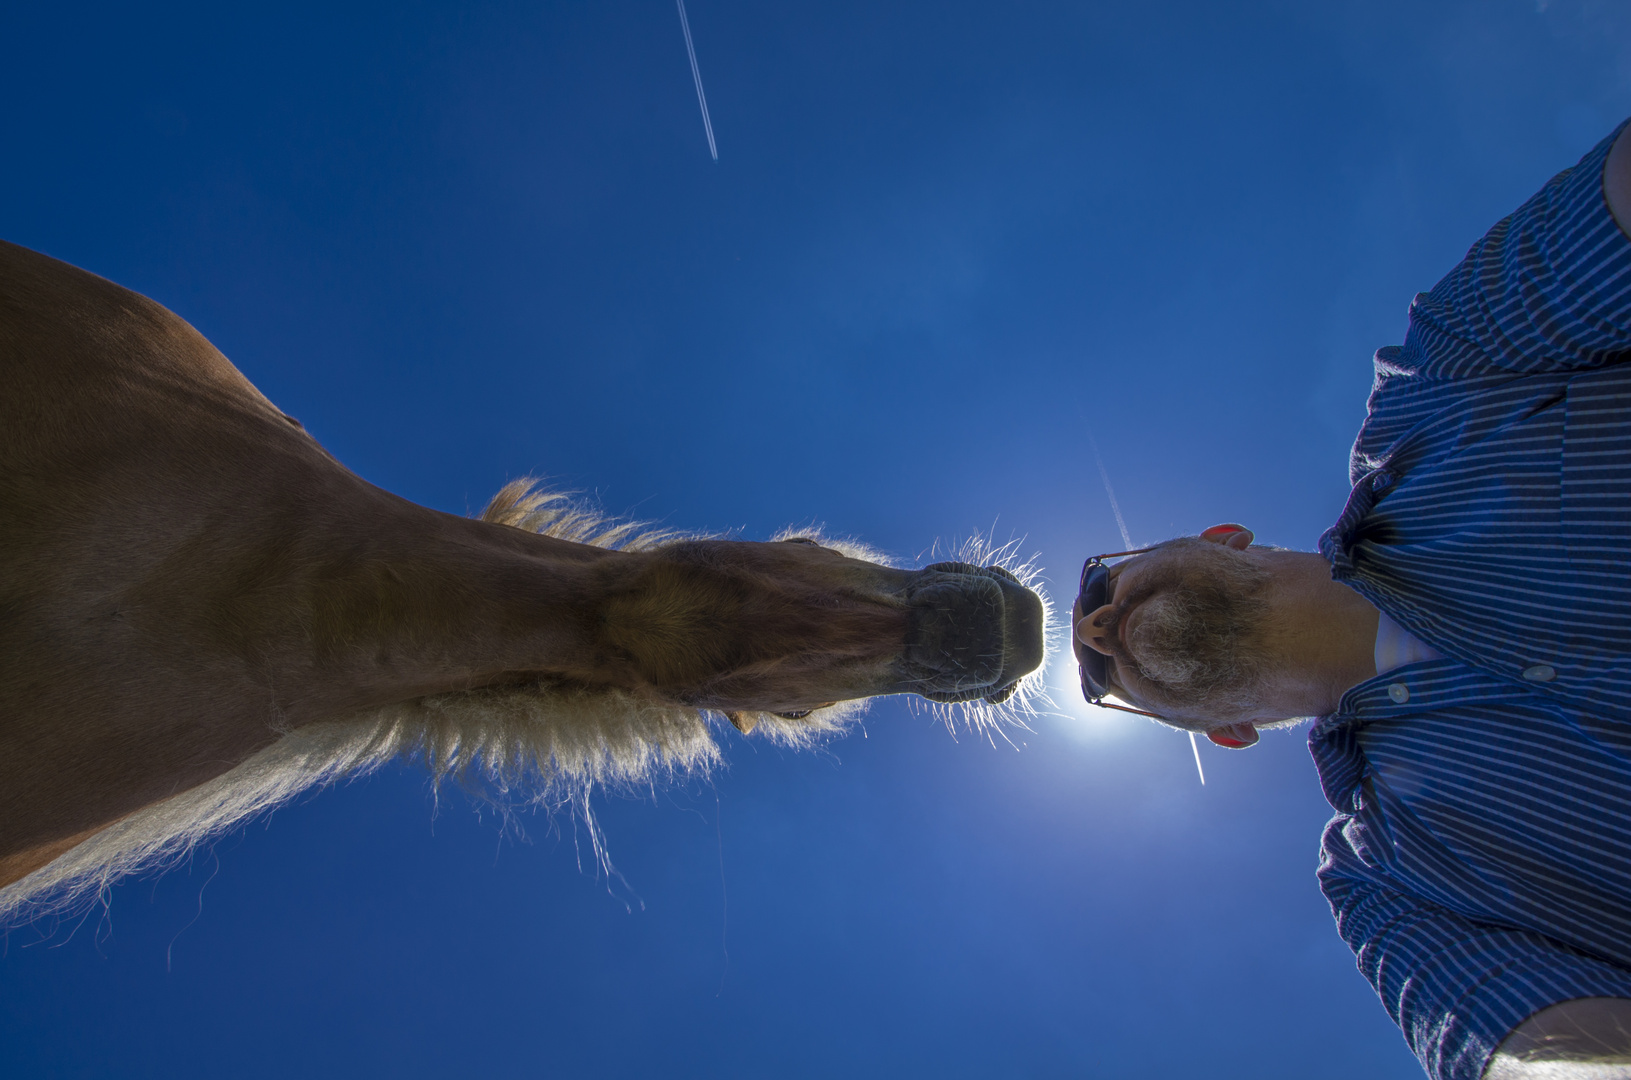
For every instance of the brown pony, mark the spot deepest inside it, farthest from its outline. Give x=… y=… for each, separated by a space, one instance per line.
x=203 y=613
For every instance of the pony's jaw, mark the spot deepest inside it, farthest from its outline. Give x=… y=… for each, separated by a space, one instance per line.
x=788 y=627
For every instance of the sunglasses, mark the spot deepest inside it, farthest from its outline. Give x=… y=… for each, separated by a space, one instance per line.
x=1094 y=665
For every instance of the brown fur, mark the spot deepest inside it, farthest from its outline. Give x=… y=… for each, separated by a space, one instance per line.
x=187 y=578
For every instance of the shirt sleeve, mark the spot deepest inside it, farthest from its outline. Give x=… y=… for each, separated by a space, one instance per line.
x=1547 y=289
x=1455 y=987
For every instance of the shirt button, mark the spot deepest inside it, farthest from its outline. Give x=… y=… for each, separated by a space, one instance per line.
x=1540 y=673
x=1399 y=692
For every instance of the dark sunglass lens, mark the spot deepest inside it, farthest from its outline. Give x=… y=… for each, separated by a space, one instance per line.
x=1095 y=587
x=1095 y=666
x=1095 y=669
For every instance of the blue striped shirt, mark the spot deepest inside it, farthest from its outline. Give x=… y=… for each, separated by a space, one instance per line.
x=1479 y=864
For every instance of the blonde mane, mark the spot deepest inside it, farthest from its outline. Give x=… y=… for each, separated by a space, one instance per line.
x=515 y=747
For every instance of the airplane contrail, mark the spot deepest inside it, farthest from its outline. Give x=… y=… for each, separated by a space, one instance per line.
x=696 y=74
x=1115 y=507
x=1127 y=539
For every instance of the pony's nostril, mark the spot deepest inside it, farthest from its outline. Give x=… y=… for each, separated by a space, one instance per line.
x=955 y=568
x=970 y=568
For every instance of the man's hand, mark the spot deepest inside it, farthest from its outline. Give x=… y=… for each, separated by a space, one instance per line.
x=1584 y=1039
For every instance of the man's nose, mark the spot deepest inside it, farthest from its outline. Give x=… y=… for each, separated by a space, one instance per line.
x=1090 y=630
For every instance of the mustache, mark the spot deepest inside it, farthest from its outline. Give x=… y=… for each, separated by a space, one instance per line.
x=1113 y=626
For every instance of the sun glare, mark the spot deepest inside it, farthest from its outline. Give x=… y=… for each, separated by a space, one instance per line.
x=1088 y=723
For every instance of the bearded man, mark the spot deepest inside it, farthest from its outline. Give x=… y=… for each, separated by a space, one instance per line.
x=1463 y=636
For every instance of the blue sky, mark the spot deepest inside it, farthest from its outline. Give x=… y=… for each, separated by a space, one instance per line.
x=467 y=243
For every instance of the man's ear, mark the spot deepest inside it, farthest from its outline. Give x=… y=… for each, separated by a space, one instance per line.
x=1234 y=736
x=1231 y=536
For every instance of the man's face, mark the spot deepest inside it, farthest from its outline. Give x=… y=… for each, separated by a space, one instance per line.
x=1184 y=628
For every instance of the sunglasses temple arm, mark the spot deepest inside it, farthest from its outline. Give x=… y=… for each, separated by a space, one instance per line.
x=1120 y=554
x=1101 y=703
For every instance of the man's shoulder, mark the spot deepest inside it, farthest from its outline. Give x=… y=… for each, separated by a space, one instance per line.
x=1405 y=391
x=1404 y=399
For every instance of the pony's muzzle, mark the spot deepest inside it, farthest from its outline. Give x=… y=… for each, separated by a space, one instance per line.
x=971 y=632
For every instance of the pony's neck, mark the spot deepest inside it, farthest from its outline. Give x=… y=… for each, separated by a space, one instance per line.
x=400 y=602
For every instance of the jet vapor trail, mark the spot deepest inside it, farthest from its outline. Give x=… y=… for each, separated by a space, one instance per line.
x=1127 y=540
x=1115 y=507
x=696 y=74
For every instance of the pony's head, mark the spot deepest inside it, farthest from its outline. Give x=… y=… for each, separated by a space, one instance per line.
x=785 y=629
